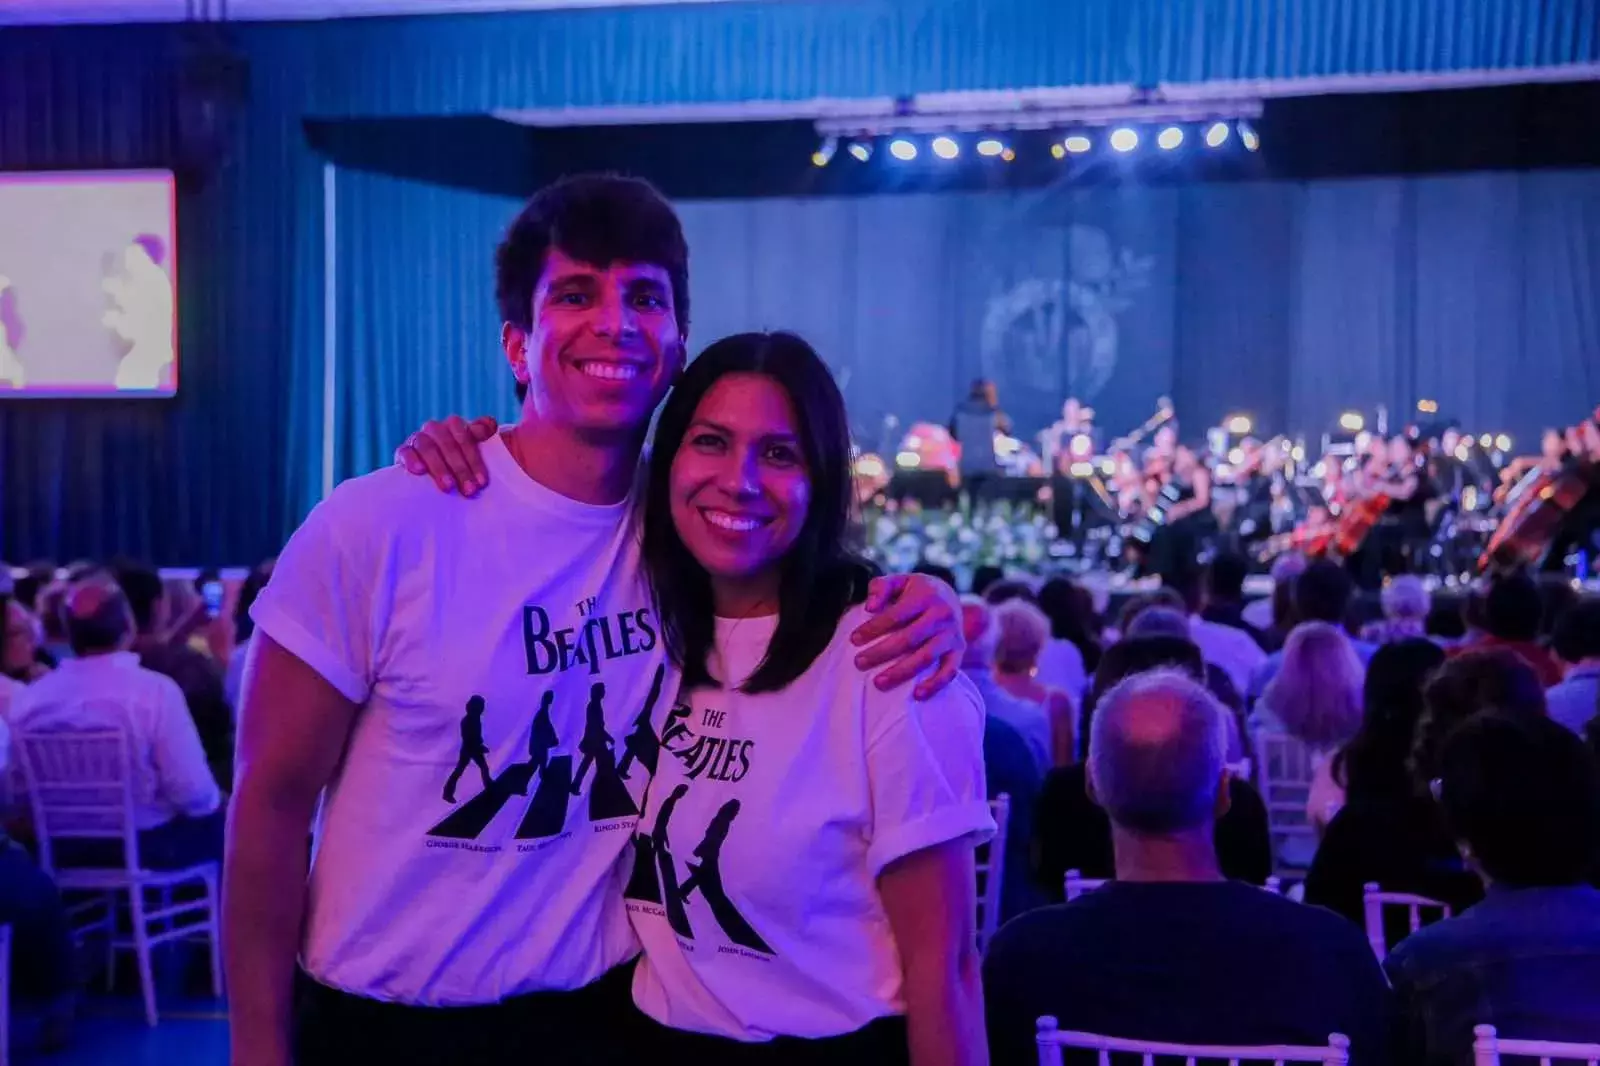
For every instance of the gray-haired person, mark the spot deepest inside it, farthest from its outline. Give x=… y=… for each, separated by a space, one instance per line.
x=1171 y=950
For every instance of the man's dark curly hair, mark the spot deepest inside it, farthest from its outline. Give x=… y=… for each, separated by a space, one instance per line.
x=598 y=219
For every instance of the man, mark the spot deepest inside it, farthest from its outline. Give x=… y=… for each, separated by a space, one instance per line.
x=1224 y=602
x=1522 y=799
x=1576 y=700
x=1321 y=593
x=177 y=805
x=1171 y=951
x=1012 y=764
x=1230 y=647
x=394 y=606
x=1512 y=612
x=974 y=425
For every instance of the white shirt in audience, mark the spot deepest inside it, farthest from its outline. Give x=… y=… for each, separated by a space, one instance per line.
x=755 y=889
x=170 y=774
x=1258 y=613
x=508 y=637
x=1060 y=667
x=1234 y=650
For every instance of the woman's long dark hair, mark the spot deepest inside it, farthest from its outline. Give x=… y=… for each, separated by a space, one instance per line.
x=1373 y=765
x=821 y=577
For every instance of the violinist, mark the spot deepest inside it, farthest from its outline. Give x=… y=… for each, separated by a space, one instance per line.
x=1189 y=521
x=1580 y=459
x=1393 y=473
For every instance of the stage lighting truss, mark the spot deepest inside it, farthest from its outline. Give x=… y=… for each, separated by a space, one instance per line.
x=947 y=126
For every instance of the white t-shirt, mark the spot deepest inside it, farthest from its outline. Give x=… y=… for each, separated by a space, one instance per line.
x=754 y=891
x=507 y=637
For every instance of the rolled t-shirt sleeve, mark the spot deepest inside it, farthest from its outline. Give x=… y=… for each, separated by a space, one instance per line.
x=925 y=769
x=320 y=603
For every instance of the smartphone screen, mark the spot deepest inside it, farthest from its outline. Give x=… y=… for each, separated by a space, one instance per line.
x=212 y=594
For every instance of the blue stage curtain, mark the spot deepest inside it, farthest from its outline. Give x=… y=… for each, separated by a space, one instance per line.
x=418 y=334
x=1291 y=302
x=198 y=479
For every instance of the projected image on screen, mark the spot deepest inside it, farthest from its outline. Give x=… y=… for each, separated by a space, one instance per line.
x=87 y=285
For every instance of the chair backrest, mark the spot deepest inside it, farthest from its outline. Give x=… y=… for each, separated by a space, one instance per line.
x=1075 y=884
x=1284 y=773
x=1375 y=900
x=80 y=785
x=1052 y=1041
x=991 y=863
x=1488 y=1047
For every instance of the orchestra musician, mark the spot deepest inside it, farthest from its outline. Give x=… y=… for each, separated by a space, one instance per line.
x=974 y=426
x=1394 y=472
x=1580 y=456
x=1188 y=519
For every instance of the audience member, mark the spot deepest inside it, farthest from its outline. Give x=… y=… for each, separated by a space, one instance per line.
x=1315 y=697
x=162 y=646
x=1228 y=646
x=42 y=952
x=19 y=652
x=1171 y=950
x=1021 y=632
x=1406 y=603
x=1224 y=595
x=1574 y=701
x=177 y=805
x=1006 y=591
x=1512 y=610
x=1010 y=765
x=1072 y=833
x=1029 y=718
x=1372 y=768
x=1321 y=594
x=1400 y=842
x=1522 y=799
x=55 y=646
x=983 y=577
x=1074 y=633
x=1274 y=616
x=934 y=570
x=243 y=627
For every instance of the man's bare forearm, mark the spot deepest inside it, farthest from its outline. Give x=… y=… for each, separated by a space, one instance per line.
x=263 y=907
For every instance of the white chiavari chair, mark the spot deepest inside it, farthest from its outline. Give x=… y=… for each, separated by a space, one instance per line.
x=1375 y=901
x=1489 y=1046
x=1053 y=1041
x=991 y=863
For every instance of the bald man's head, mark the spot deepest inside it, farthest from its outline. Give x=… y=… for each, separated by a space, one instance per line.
x=1157 y=749
x=96 y=617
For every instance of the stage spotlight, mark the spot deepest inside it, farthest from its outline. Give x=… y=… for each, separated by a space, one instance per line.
x=861 y=151
x=1248 y=136
x=1058 y=151
x=1008 y=155
x=946 y=147
x=1351 y=421
x=824 y=155
x=1428 y=407
x=1124 y=139
x=989 y=146
x=1238 y=425
x=1502 y=443
x=1486 y=441
x=1077 y=144
x=1170 y=138
x=1217 y=135
x=903 y=150
x=1236 y=456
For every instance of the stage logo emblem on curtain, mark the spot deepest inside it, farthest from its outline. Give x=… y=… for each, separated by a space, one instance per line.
x=1058 y=336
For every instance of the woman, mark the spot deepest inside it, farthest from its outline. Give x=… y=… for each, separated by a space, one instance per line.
x=1074 y=649
x=19 y=654
x=1406 y=604
x=1022 y=632
x=1315 y=697
x=813 y=900
x=1389 y=832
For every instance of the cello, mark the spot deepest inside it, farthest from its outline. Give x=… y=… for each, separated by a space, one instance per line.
x=1539 y=506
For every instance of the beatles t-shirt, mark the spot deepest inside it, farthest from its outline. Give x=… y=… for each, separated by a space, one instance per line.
x=474 y=841
x=768 y=822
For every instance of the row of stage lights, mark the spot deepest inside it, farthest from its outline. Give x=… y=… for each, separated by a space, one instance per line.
x=1121 y=139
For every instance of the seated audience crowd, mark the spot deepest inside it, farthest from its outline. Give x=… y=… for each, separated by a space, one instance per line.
x=1222 y=892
